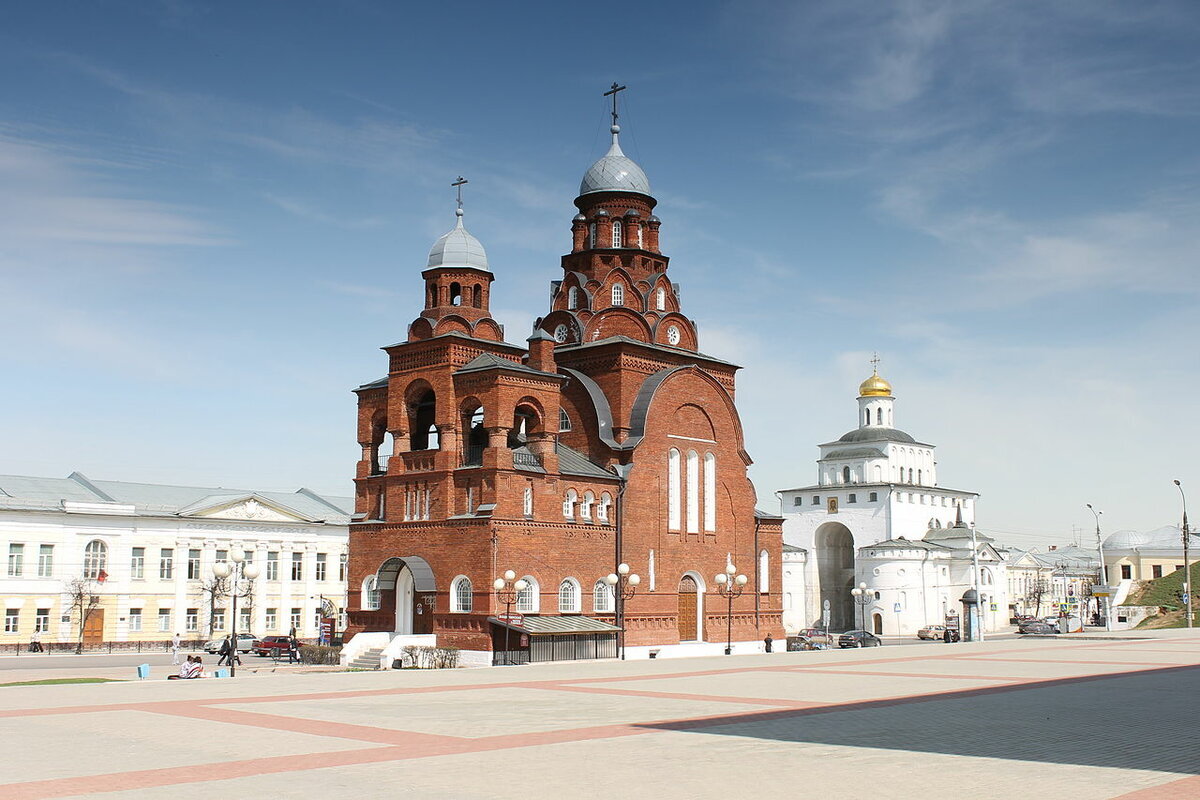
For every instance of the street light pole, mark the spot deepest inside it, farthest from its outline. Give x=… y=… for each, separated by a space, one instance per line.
x=624 y=586
x=235 y=571
x=507 y=591
x=862 y=598
x=1104 y=568
x=730 y=587
x=1187 y=563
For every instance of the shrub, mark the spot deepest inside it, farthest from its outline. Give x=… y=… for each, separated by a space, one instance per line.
x=319 y=654
x=414 y=657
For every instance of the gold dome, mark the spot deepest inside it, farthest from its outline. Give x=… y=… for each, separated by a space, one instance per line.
x=875 y=386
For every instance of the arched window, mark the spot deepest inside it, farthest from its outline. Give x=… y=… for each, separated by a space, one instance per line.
x=564 y=420
x=693 y=492
x=660 y=299
x=710 y=492
x=592 y=235
x=602 y=597
x=569 y=503
x=764 y=571
x=910 y=475
x=639 y=232
x=370 y=593
x=573 y=298
x=478 y=299
x=673 y=489
x=568 y=596
x=455 y=294
x=618 y=294
x=879 y=416
x=585 y=508
x=919 y=478
x=602 y=514
x=616 y=229
x=527 y=598
x=95 y=559
x=462 y=599
x=867 y=417
x=528 y=502
x=431 y=300
x=845 y=474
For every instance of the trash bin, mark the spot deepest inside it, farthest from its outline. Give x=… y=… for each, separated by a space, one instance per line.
x=143 y=671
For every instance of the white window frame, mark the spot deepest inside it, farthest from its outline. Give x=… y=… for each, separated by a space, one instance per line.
x=271 y=619
x=661 y=299
x=673 y=489
x=16 y=559
x=569 y=596
x=602 y=514
x=95 y=559
x=616 y=233
x=45 y=561
x=527 y=502
x=585 y=508
x=693 y=492
x=618 y=294
x=573 y=298
x=371 y=594
x=764 y=571
x=462 y=597
x=710 y=492
x=164 y=620
x=529 y=599
x=569 y=504
x=603 y=601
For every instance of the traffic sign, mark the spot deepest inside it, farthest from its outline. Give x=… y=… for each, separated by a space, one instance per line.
x=897 y=608
x=512 y=618
x=1186 y=597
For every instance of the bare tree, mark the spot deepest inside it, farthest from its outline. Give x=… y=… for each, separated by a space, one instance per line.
x=1037 y=590
x=213 y=589
x=83 y=601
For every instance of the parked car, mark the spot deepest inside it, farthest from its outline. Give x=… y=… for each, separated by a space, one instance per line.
x=245 y=643
x=271 y=645
x=817 y=636
x=1037 y=627
x=859 y=639
x=934 y=632
x=795 y=643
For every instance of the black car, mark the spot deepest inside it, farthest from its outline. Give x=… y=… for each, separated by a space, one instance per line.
x=859 y=639
x=1037 y=627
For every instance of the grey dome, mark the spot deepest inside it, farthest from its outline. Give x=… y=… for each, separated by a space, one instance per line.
x=615 y=172
x=458 y=248
x=876 y=434
x=1167 y=537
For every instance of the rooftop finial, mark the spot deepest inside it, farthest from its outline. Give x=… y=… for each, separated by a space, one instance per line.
x=874 y=361
x=458 y=184
x=613 y=92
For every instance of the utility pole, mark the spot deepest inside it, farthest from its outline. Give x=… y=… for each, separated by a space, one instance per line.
x=1187 y=563
x=975 y=581
x=1103 y=570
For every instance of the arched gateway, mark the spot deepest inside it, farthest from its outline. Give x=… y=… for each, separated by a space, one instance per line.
x=406 y=585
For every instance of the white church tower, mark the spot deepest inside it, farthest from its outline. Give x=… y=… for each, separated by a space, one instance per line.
x=875 y=483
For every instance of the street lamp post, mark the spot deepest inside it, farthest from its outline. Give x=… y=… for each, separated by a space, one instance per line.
x=862 y=597
x=1103 y=569
x=508 y=589
x=237 y=570
x=730 y=587
x=624 y=586
x=1187 y=563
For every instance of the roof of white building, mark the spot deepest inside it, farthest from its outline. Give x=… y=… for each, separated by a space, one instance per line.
x=21 y=492
x=1168 y=537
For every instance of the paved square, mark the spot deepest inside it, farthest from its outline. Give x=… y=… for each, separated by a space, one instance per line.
x=1000 y=719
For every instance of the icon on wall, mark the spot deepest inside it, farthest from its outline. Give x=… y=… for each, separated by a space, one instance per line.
x=831 y=505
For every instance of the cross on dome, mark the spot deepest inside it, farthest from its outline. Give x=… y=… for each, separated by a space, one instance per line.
x=615 y=172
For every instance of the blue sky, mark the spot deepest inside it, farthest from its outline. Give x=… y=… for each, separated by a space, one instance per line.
x=211 y=217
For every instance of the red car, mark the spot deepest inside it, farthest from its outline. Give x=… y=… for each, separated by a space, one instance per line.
x=271 y=645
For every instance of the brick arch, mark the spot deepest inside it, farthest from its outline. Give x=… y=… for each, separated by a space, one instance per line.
x=687 y=331
x=571 y=320
x=452 y=324
x=420 y=329
x=489 y=329
x=617 y=322
x=692 y=420
x=652 y=390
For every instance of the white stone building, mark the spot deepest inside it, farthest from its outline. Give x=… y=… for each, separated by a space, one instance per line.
x=147 y=550
x=878 y=515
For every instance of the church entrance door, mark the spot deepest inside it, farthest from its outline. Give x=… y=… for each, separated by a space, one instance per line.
x=689 y=609
x=877 y=624
x=835 y=574
x=404 y=601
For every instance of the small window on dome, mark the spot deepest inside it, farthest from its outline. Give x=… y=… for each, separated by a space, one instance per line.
x=573 y=298
x=616 y=229
x=618 y=294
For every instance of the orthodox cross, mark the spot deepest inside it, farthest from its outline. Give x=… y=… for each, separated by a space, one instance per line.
x=875 y=362
x=458 y=184
x=613 y=91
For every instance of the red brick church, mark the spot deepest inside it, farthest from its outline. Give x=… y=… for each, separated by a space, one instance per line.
x=608 y=438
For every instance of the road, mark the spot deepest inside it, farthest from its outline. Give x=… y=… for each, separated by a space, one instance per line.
x=999 y=720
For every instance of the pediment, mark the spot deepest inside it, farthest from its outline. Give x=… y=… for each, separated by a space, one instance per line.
x=249 y=508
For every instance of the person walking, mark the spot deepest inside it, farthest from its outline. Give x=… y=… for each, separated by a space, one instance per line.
x=224 y=651
x=35 y=642
x=175 y=642
x=293 y=649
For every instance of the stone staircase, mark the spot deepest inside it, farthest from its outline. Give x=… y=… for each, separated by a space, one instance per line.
x=369 y=659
